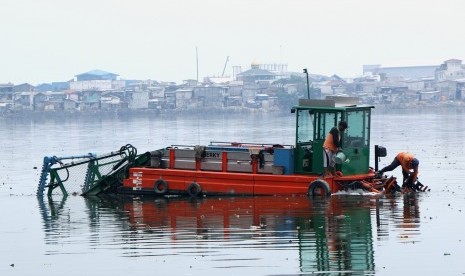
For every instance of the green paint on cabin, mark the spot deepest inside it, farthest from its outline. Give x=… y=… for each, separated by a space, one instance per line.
x=314 y=120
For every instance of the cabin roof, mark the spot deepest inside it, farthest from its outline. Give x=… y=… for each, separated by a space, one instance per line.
x=333 y=103
x=336 y=108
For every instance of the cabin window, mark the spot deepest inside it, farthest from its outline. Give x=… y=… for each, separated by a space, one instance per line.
x=304 y=126
x=358 y=133
x=325 y=121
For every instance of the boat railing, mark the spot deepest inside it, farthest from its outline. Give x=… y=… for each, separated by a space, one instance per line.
x=247 y=144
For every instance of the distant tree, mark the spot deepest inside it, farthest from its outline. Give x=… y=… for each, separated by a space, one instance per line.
x=292 y=80
x=285 y=100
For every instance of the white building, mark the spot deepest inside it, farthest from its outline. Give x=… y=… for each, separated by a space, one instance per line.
x=139 y=100
x=450 y=70
x=98 y=85
x=183 y=97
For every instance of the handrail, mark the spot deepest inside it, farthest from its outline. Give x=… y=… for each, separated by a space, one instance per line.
x=248 y=144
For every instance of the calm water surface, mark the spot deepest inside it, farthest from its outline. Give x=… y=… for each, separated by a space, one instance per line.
x=420 y=234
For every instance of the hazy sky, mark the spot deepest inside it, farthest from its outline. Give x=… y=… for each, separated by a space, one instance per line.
x=53 y=40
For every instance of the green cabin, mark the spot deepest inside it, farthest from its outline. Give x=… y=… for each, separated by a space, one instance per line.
x=314 y=120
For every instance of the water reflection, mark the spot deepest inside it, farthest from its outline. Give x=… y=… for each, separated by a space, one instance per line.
x=333 y=235
x=339 y=238
x=409 y=223
x=398 y=215
x=53 y=217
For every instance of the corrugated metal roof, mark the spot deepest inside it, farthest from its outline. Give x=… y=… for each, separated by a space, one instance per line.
x=256 y=72
x=97 y=72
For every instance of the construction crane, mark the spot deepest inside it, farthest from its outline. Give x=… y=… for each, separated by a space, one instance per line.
x=226 y=63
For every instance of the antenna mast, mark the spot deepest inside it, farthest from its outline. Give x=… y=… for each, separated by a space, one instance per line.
x=224 y=68
x=197 y=61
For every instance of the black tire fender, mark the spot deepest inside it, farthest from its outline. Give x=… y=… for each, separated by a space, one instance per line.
x=319 y=187
x=194 y=189
x=160 y=186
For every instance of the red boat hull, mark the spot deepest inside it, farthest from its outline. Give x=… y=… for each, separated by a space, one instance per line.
x=178 y=181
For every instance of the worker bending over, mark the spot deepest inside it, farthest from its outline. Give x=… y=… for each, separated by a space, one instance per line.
x=409 y=166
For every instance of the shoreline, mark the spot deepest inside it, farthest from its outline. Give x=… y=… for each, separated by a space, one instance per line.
x=131 y=113
x=128 y=113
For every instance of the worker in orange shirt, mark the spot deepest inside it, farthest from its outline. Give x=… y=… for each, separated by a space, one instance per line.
x=409 y=166
x=331 y=146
